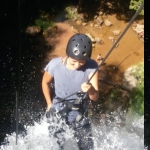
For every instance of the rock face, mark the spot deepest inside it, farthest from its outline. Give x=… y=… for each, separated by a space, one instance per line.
x=99 y=21
x=99 y=40
x=129 y=80
x=84 y=24
x=116 y=32
x=111 y=38
x=107 y=23
x=139 y=29
x=33 y=30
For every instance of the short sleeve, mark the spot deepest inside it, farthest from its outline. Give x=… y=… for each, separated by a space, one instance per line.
x=51 y=66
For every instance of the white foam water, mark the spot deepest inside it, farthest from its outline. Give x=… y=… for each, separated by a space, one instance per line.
x=40 y=137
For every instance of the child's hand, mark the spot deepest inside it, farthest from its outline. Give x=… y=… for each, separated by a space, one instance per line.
x=86 y=87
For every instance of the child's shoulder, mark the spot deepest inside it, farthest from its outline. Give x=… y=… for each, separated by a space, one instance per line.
x=92 y=62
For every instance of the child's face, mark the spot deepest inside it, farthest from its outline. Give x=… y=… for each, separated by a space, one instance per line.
x=76 y=64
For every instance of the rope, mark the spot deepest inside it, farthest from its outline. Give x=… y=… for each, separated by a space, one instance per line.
x=18 y=67
x=116 y=42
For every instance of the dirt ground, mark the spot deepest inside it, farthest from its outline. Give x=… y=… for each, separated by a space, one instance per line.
x=129 y=52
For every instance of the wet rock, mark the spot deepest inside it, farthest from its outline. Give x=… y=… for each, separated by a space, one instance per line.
x=109 y=4
x=98 y=40
x=79 y=22
x=107 y=23
x=93 y=45
x=139 y=28
x=101 y=13
x=84 y=24
x=99 y=20
x=104 y=15
x=96 y=25
x=33 y=30
x=91 y=37
x=95 y=16
x=116 y=32
x=75 y=19
x=111 y=38
x=141 y=35
x=92 y=24
x=129 y=80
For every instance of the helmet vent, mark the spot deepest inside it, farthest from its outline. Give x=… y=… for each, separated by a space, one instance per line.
x=73 y=40
x=76 y=52
x=84 y=53
x=77 y=45
x=85 y=46
x=81 y=39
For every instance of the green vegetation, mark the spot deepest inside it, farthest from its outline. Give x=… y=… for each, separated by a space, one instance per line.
x=70 y=12
x=137 y=96
x=135 y=4
x=43 y=24
x=117 y=98
x=44 y=21
x=134 y=100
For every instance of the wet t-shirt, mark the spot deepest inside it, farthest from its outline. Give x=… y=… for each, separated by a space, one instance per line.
x=67 y=82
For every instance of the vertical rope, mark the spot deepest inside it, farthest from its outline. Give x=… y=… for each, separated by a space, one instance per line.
x=18 y=67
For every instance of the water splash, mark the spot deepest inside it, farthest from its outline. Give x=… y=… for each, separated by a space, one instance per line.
x=40 y=136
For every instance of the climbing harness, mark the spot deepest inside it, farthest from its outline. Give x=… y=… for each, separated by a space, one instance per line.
x=77 y=105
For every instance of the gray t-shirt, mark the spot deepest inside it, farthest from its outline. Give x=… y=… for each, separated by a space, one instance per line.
x=67 y=82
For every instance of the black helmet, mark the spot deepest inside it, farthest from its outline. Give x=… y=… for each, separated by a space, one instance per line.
x=79 y=47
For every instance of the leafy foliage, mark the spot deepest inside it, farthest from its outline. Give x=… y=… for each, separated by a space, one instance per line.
x=137 y=97
x=43 y=24
x=135 y=4
x=70 y=13
x=44 y=21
